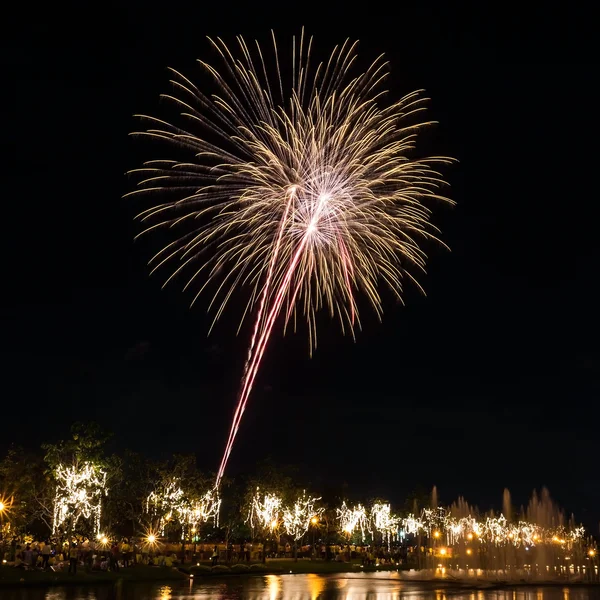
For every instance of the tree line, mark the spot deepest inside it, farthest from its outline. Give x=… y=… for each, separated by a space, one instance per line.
x=29 y=482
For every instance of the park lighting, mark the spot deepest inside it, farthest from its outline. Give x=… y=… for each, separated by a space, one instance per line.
x=151 y=539
x=592 y=553
x=436 y=534
x=314 y=520
x=353 y=518
x=469 y=551
x=265 y=511
x=384 y=521
x=1 y=506
x=79 y=492
x=104 y=540
x=469 y=536
x=443 y=551
x=297 y=518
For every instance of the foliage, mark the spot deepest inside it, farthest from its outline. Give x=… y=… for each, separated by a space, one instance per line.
x=27 y=491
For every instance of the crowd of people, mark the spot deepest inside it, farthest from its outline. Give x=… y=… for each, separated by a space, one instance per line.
x=100 y=554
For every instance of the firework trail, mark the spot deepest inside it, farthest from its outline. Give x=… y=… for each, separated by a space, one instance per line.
x=300 y=189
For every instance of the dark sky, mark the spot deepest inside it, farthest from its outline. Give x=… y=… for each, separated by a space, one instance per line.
x=492 y=380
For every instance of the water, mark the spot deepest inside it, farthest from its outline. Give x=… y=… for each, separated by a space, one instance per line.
x=374 y=586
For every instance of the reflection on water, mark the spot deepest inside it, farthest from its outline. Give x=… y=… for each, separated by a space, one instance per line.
x=375 y=586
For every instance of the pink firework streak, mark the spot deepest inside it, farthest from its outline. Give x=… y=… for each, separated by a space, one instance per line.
x=262 y=330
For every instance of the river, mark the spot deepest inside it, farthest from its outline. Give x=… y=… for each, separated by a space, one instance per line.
x=374 y=586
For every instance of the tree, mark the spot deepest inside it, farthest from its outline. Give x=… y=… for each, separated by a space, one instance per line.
x=265 y=495
x=181 y=499
x=298 y=517
x=26 y=491
x=82 y=475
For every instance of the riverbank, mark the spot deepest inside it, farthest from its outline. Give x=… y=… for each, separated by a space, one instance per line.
x=14 y=577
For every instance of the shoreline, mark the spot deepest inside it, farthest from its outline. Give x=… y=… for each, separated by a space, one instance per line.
x=13 y=578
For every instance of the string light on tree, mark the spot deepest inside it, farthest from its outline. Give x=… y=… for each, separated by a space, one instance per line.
x=79 y=492
x=265 y=511
x=384 y=522
x=170 y=504
x=297 y=518
x=441 y=525
x=352 y=519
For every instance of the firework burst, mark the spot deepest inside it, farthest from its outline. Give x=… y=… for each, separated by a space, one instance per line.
x=300 y=188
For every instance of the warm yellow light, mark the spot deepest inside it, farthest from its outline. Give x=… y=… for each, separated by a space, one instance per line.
x=273 y=523
x=592 y=553
x=443 y=551
x=469 y=536
x=105 y=540
x=151 y=538
x=314 y=520
x=1 y=506
x=511 y=535
x=469 y=551
x=193 y=530
x=436 y=534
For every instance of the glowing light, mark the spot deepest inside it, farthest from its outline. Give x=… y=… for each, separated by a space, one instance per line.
x=492 y=529
x=304 y=189
x=170 y=503
x=79 y=492
x=592 y=553
x=469 y=551
x=352 y=519
x=1 y=506
x=265 y=511
x=297 y=518
x=384 y=522
x=314 y=520
x=151 y=539
x=443 y=551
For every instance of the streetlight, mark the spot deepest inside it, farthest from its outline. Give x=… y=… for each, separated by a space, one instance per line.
x=314 y=521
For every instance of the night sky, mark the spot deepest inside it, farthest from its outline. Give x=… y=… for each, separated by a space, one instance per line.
x=492 y=380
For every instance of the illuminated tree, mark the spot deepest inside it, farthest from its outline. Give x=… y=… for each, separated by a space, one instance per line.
x=352 y=520
x=182 y=498
x=265 y=511
x=82 y=475
x=384 y=522
x=80 y=489
x=297 y=518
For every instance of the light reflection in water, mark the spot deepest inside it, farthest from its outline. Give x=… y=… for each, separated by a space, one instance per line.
x=376 y=586
x=274 y=585
x=316 y=585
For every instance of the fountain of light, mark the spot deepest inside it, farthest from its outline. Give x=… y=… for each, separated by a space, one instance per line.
x=538 y=544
